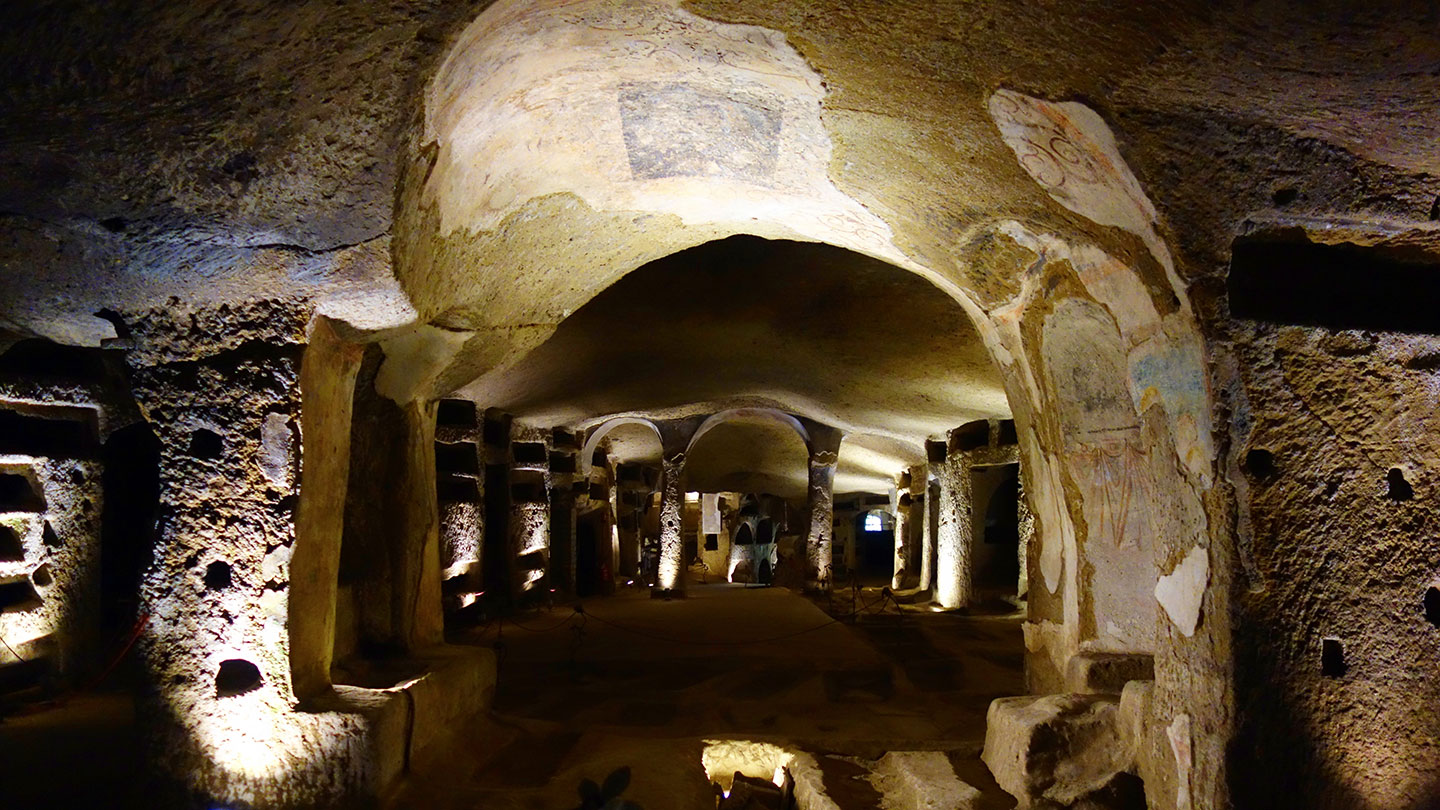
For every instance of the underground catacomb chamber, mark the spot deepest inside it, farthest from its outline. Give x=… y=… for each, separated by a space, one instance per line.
x=425 y=405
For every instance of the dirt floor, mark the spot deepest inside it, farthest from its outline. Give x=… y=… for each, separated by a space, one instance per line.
x=77 y=752
x=643 y=683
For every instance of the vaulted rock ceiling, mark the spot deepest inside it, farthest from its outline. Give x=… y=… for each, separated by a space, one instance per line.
x=809 y=329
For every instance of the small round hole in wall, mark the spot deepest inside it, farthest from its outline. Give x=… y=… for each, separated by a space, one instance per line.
x=217 y=575
x=1260 y=463
x=1284 y=196
x=1432 y=605
x=206 y=444
x=43 y=578
x=236 y=677
x=1397 y=488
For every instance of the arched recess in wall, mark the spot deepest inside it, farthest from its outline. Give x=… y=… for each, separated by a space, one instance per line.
x=574 y=161
x=734 y=414
x=558 y=163
x=765 y=532
x=744 y=535
x=762 y=455
x=742 y=552
x=597 y=434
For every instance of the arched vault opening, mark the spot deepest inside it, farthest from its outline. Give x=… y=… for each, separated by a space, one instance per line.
x=597 y=435
x=752 y=454
x=562 y=146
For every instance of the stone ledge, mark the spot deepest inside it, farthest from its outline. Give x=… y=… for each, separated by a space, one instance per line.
x=400 y=723
x=1107 y=673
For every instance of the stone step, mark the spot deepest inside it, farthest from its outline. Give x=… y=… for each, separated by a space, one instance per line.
x=847 y=782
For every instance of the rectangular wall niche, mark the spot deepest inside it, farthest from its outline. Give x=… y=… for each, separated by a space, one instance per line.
x=457 y=458
x=61 y=433
x=12 y=549
x=563 y=463
x=458 y=413
x=18 y=595
x=1332 y=658
x=531 y=453
x=18 y=494
x=1282 y=277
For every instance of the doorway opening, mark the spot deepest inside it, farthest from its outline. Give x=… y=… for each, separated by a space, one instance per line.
x=875 y=547
x=592 y=537
x=995 y=549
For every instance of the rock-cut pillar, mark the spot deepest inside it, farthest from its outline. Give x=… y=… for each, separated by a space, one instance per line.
x=927 y=535
x=954 y=534
x=820 y=538
x=820 y=542
x=1025 y=519
x=672 y=502
x=902 y=536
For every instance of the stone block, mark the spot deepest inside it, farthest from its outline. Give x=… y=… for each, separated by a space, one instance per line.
x=921 y=780
x=1098 y=672
x=1061 y=751
x=389 y=728
x=1131 y=722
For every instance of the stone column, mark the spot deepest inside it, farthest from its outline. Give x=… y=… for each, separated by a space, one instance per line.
x=390 y=556
x=227 y=394
x=954 y=534
x=566 y=488
x=327 y=385
x=820 y=540
x=562 y=535
x=459 y=465
x=902 y=528
x=419 y=617
x=529 y=541
x=215 y=652
x=529 y=535
x=1026 y=524
x=927 y=535
x=672 y=501
x=935 y=451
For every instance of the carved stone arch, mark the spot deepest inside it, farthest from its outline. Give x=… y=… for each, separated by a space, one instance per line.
x=769 y=414
x=598 y=434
